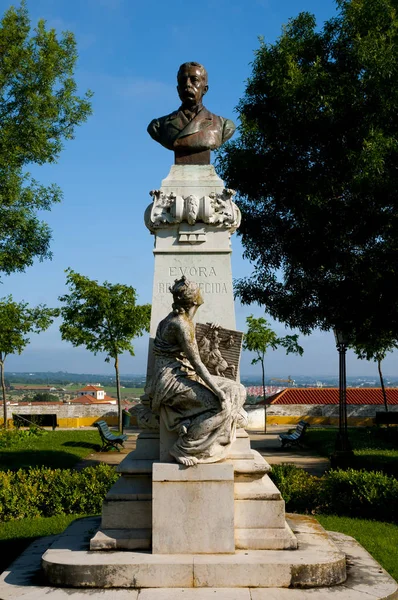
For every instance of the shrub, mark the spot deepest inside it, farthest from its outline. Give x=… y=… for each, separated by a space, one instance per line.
x=364 y=494
x=44 y=492
x=299 y=489
x=16 y=437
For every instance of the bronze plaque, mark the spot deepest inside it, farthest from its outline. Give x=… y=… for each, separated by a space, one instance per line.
x=219 y=349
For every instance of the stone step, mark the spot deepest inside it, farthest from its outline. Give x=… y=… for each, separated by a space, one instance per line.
x=258 y=489
x=131 y=488
x=132 y=466
x=366 y=580
x=124 y=514
x=265 y=539
x=316 y=562
x=254 y=514
x=254 y=468
x=122 y=539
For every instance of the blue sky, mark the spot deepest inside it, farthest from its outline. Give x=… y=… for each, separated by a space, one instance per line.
x=129 y=53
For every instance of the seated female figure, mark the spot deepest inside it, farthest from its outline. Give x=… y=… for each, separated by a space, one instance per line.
x=203 y=409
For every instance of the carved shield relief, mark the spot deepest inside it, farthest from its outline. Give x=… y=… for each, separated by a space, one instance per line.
x=219 y=349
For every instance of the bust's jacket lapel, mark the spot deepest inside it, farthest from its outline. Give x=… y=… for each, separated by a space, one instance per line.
x=174 y=124
x=203 y=120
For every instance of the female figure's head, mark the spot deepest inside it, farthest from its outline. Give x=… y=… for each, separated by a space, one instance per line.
x=186 y=294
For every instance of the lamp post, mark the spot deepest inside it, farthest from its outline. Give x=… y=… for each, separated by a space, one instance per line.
x=342 y=447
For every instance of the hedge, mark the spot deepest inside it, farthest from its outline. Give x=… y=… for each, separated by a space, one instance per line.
x=44 y=492
x=362 y=494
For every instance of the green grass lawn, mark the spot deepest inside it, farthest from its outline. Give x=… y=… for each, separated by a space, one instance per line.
x=375 y=448
x=54 y=449
x=379 y=539
x=15 y=536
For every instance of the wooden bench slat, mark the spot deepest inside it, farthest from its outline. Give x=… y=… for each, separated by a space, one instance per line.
x=296 y=436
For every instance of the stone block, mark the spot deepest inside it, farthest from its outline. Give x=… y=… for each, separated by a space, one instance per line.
x=265 y=539
x=240 y=449
x=147 y=446
x=131 y=488
x=257 y=514
x=249 y=469
x=123 y=514
x=122 y=539
x=117 y=569
x=258 y=489
x=242 y=570
x=196 y=594
x=193 y=509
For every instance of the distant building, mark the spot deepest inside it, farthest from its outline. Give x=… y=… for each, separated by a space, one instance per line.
x=320 y=406
x=92 y=394
x=330 y=396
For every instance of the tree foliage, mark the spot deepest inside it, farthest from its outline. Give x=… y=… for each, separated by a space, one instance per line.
x=377 y=352
x=315 y=168
x=17 y=320
x=44 y=397
x=39 y=109
x=260 y=337
x=103 y=318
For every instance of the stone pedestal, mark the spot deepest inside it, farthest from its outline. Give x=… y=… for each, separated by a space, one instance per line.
x=192 y=218
x=193 y=509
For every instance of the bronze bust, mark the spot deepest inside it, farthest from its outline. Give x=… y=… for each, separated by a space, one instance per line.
x=191 y=131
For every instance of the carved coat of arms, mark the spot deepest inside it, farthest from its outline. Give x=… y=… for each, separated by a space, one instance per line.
x=219 y=349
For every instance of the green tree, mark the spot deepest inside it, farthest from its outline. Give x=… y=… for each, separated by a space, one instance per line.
x=103 y=318
x=39 y=109
x=315 y=168
x=17 y=320
x=45 y=397
x=259 y=338
x=378 y=354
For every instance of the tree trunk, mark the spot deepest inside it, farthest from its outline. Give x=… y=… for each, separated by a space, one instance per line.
x=383 y=389
x=264 y=397
x=119 y=400
x=3 y=387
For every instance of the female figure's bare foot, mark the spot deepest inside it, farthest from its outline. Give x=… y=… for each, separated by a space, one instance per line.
x=187 y=461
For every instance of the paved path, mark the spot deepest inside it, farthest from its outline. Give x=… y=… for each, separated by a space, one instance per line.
x=267 y=444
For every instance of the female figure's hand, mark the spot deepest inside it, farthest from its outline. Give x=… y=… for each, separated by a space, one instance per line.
x=222 y=398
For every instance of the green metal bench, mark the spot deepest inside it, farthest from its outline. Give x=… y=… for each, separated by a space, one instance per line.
x=109 y=439
x=294 y=439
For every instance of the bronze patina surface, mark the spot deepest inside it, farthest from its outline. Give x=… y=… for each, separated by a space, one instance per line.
x=191 y=131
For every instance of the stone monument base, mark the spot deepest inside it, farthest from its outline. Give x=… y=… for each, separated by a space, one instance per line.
x=317 y=562
x=147 y=500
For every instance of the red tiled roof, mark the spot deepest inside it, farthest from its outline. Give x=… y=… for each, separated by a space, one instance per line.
x=90 y=388
x=90 y=400
x=331 y=396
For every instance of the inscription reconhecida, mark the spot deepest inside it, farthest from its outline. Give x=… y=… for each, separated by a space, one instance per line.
x=206 y=287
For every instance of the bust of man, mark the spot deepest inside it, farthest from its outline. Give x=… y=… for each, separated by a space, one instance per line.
x=191 y=131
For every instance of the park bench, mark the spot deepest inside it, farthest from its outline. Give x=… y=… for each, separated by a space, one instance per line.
x=294 y=438
x=109 y=439
x=386 y=418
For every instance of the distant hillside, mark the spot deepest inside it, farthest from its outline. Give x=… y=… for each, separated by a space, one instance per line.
x=63 y=378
